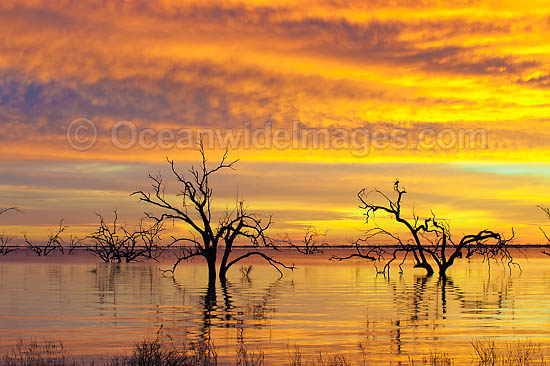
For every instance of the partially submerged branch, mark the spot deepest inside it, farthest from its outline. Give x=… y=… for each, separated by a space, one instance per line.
x=5 y=247
x=54 y=242
x=6 y=209
x=118 y=244
x=73 y=244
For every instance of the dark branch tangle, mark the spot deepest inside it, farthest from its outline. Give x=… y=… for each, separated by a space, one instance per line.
x=5 y=241
x=116 y=243
x=311 y=243
x=54 y=242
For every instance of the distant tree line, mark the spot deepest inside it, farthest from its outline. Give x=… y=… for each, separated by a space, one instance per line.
x=427 y=241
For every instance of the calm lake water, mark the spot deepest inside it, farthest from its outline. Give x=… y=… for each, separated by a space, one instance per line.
x=100 y=309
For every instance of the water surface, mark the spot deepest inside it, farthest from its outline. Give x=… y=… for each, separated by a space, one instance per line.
x=98 y=309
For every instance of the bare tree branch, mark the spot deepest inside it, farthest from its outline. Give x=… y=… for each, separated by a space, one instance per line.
x=54 y=242
x=274 y=263
x=73 y=244
x=5 y=247
x=310 y=243
x=118 y=244
x=4 y=210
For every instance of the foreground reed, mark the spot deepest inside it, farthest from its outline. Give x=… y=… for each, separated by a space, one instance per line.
x=157 y=353
x=518 y=353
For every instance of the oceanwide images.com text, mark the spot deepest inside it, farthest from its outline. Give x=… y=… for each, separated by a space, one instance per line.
x=82 y=135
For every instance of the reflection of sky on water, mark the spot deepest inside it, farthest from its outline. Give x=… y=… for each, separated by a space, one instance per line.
x=98 y=309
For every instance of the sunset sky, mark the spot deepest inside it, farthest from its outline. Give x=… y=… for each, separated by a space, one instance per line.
x=377 y=65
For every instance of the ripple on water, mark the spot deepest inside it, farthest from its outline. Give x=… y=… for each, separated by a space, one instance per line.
x=99 y=309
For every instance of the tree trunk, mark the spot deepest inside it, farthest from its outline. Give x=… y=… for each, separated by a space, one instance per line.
x=211 y=269
x=445 y=266
x=225 y=259
x=443 y=270
x=223 y=274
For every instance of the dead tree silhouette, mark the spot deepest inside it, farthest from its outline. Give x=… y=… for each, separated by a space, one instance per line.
x=5 y=247
x=207 y=235
x=54 y=242
x=118 y=244
x=73 y=244
x=312 y=242
x=5 y=240
x=429 y=240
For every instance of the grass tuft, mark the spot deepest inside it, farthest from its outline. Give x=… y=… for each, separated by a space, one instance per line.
x=521 y=353
x=35 y=353
x=157 y=353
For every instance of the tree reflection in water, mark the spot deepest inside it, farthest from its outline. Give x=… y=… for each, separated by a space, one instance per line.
x=414 y=309
x=200 y=310
x=425 y=303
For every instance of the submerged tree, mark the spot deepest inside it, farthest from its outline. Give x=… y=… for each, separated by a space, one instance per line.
x=311 y=243
x=54 y=242
x=209 y=237
x=73 y=244
x=118 y=244
x=429 y=241
x=5 y=247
